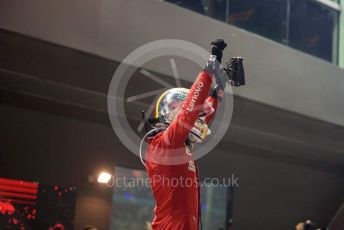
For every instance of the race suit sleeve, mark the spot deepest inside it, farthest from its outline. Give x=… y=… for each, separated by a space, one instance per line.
x=179 y=129
x=213 y=101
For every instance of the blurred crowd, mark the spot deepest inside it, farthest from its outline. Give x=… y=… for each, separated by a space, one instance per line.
x=308 y=225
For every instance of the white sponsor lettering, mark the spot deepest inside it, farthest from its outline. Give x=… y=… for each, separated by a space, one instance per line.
x=194 y=97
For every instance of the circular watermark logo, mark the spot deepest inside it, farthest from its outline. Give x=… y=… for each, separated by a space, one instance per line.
x=117 y=99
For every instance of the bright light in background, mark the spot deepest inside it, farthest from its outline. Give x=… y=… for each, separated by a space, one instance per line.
x=104 y=177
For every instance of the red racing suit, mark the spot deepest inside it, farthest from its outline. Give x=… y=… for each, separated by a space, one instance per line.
x=176 y=187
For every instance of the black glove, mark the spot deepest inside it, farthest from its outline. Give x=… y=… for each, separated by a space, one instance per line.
x=217 y=48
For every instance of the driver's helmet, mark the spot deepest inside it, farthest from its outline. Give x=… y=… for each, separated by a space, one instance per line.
x=168 y=106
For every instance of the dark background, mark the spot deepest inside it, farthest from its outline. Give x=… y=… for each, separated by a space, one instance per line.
x=55 y=142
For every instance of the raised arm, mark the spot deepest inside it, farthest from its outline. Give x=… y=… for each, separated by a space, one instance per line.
x=179 y=129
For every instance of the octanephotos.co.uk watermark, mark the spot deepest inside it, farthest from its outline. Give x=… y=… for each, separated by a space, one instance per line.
x=141 y=182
